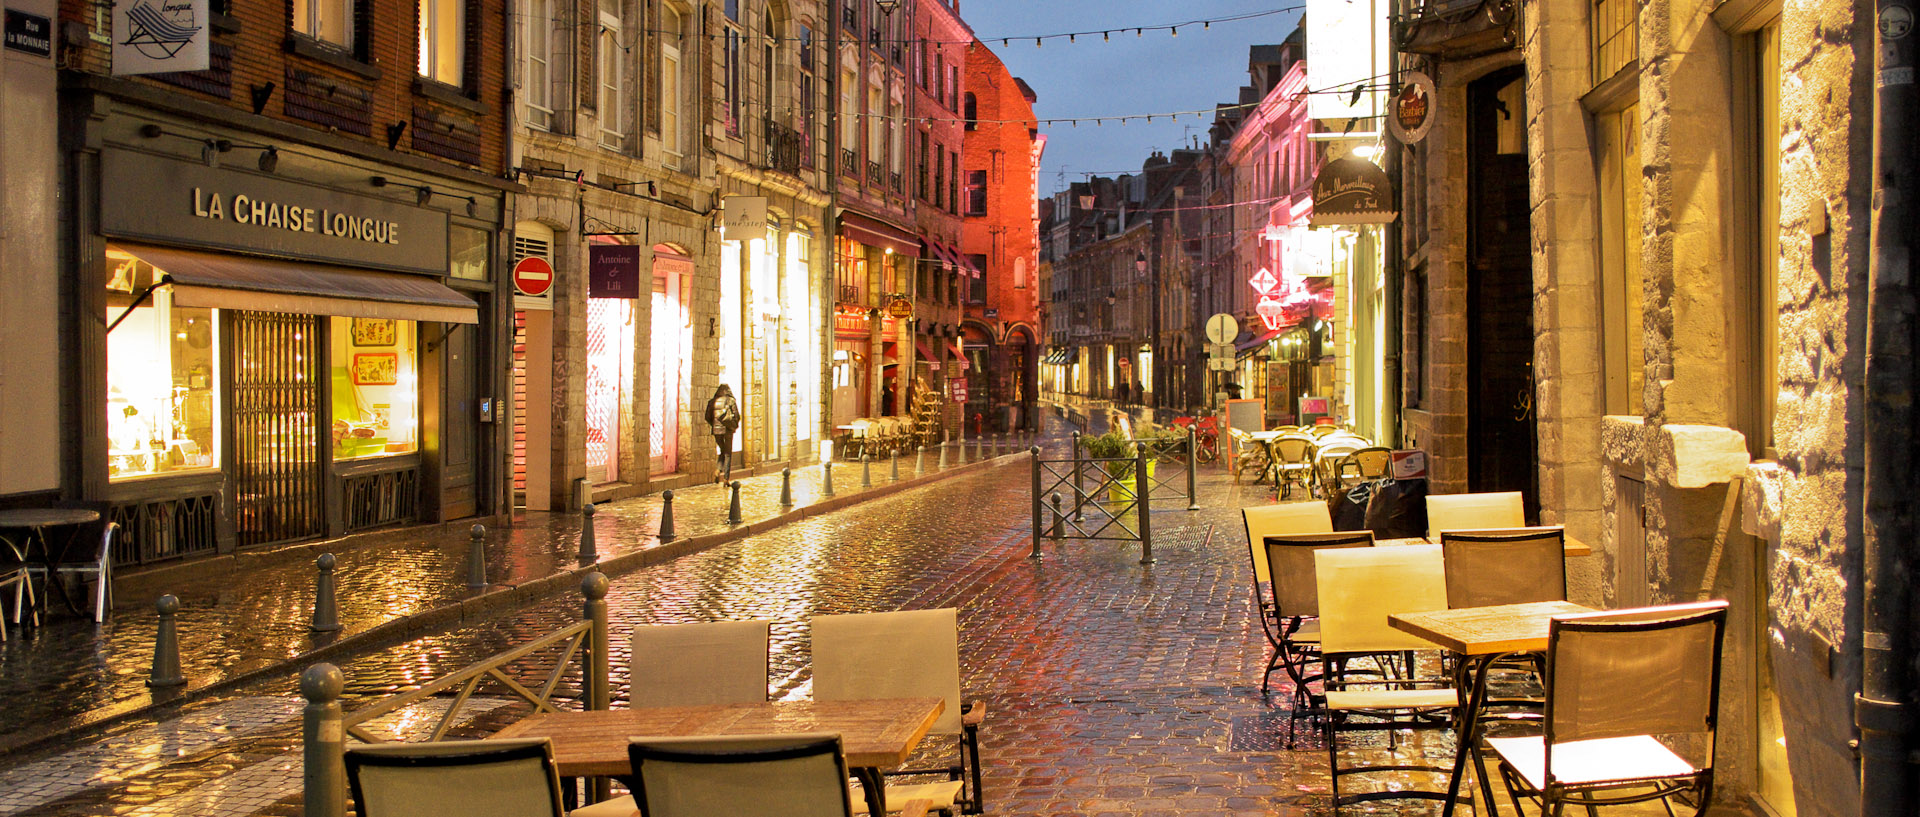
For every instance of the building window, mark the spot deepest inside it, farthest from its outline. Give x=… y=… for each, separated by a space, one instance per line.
x=849 y=115
x=443 y=40
x=953 y=180
x=977 y=281
x=971 y=111
x=876 y=124
x=976 y=192
x=612 y=81
x=732 y=77
x=163 y=378
x=1621 y=298
x=939 y=175
x=328 y=21
x=670 y=82
x=1616 y=40
x=468 y=250
x=896 y=140
x=804 y=109
x=920 y=168
x=537 y=44
x=373 y=366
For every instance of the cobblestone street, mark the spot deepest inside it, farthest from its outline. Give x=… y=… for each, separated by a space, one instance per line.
x=1112 y=687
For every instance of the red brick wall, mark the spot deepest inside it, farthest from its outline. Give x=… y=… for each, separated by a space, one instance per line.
x=1002 y=145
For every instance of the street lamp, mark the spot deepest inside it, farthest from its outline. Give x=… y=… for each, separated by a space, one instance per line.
x=887 y=6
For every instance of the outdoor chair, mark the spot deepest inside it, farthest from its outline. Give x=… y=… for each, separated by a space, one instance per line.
x=1504 y=566
x=1295 y=598
x=1358 y=589
x=795 y=775
x=906 y=654
x=1251 y=456
x=470 y=778
x=15 y=575
x=1329 y=459
x=1319 y=430
x=1631 y=704
x=1369 y=464
x=88 y=551
x=1474 y=512
x=1293 y=464
x=1262 y=521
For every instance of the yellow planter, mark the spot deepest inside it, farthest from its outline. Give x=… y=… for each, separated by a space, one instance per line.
x=1121 y=489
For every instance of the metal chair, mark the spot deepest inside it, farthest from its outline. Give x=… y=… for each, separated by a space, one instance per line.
x=802 y=775
x=1485 y=568
x=708 y=662
x=15 y=576
x=89 y=551
x=1296 y=605
x=1368 y=464
x=906 y=654
x=1279 y=519
x=1474 y=512
x=471 y=778
x=1252 y=455
x=1631 y=710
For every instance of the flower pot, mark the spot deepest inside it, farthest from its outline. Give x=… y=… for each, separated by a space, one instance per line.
x=1120 y=490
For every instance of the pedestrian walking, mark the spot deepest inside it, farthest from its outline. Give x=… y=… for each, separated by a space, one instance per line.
x=723 y=414
x=1121 y=391
x=1232 y=389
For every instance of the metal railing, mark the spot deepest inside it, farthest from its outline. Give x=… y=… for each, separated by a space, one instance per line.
x=849 y=163
x=1107 y=493
x=783 y=148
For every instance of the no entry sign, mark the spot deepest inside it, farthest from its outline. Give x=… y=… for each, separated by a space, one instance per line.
x=532 y=275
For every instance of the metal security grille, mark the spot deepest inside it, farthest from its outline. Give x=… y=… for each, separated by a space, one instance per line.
x=276 y=463
x=520 y=409
x=163 y=529
x=384 y=498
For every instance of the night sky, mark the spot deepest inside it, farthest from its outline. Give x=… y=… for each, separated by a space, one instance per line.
x=1153 y=73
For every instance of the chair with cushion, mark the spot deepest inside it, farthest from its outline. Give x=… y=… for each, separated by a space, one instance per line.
x=1474 y=512
x=906 y=654
x=1295 y=599
x=1277 y=519
x=1632 y=697
x=1358 y=589
x=1504 y=566
x=470 y=778
x=794 y=775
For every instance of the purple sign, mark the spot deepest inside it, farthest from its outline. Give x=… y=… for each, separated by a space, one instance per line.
x=613 y=271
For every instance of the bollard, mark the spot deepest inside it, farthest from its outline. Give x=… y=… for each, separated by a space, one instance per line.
x=786 y=487
x=326 y=614
x=920 y=461
x=1143 y=500
x=325 y=741
x=166 y=647
x=1193 y=467
x=588 y=550
x=893 y=467
x=666 y=516
x=942 y=464
x=733 y=504
x=1035 y=493
x=1079 y=486
x=477 y=556
x=1059 y=521
x=826 y=478
x=594 y=663
x=866 y=470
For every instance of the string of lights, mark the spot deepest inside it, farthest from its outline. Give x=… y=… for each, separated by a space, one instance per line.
x=1005 y=40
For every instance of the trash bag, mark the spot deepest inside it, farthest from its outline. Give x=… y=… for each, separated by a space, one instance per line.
x=1398 y=509
x=1349 y=508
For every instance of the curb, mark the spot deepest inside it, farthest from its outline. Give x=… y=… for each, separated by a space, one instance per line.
x=485 y=604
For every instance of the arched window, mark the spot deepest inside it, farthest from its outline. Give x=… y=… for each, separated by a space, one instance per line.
x=971 y=110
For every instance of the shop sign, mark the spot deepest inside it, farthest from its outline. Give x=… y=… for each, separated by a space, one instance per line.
x=29 y=33
x=1411 y=112
x=613 y=271
x=187 y=203
x=532 y=276
x=1409 y=463
x=957 y=387
x=155 y=36
x=743 y=217
x=1352 y=190
x=850 y=324
x=900 y=308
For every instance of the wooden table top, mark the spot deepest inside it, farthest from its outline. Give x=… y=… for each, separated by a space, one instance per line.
x=1487 y=630
x=873 y=733
x=43 y=517
x=1574 y=548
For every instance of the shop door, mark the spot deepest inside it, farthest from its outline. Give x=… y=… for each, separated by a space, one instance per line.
x=663 y=392
x=276 y=441
x=460 y=430
x=1500 y=417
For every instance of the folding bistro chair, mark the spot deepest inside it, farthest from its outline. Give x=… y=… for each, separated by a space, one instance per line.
x=1474 y=512
x=470 y=778
x=1359 y=588
x=794 y=775
x=1485 y=568
x=88 y=551
x=1632 y=697
x=1262 y=521
x=1296 y=605
x=15 y=575
x=906 y=654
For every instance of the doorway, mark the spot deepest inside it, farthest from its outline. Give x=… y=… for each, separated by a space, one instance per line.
x=276 y=443
x=462 y=469
x=1500 y=417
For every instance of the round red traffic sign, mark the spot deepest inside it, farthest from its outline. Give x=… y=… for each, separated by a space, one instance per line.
x=533 y=275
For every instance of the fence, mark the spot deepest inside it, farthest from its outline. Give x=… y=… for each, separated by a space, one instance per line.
x=1122 y=481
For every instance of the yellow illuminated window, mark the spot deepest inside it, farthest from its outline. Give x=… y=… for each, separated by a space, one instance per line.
x=375 y=388
x=163 y=378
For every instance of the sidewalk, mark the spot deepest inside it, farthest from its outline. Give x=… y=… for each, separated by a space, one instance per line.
x=246 y=616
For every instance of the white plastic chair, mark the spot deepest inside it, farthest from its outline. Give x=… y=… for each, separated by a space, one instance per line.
x=1474 y=512
x=469 y=778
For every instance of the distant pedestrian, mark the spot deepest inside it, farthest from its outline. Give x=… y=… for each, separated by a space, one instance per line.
x=723 y=414
x=1121 y=391
x=1232 y=389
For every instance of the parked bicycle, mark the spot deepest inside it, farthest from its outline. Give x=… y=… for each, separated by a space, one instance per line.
x=1206 y=436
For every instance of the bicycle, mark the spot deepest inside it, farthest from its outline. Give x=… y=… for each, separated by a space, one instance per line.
x=1206 y=437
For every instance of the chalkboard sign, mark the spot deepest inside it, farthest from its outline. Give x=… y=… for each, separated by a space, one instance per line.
x=1246 y=415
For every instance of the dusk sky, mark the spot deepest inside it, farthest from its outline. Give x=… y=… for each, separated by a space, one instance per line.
x=1153 y=73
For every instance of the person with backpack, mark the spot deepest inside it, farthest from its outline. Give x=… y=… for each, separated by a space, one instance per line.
x=723 y=415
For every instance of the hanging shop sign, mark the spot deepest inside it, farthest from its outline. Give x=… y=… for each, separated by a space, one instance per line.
x=1352 y=190
x=900 y=308
x=613 y=271
x=29 y=33
x=957 y=387
x=743 y=217
x=532 y=276
x=155 y=36
x=190 y=204
x=1410 y=114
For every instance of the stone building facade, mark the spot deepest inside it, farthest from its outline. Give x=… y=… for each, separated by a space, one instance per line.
x=999 y=195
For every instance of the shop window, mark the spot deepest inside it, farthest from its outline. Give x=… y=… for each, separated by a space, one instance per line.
x=443 y=36
x=328 y=21
x=163 y=378
x=468 y=249
x=375 y=387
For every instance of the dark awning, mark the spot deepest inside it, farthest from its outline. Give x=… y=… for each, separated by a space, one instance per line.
x=877 y=233
x=1253 y=344
x=210 y=280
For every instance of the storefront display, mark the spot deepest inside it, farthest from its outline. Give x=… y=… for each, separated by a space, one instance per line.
x=162 y=377
x=372 y=364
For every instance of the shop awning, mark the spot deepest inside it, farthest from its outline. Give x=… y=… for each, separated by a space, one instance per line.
x=925 y=353
x=210 y=280
x=890 y=353
x=960 y=354
x=966 y=266
x=877 y=233
x=1252 y=345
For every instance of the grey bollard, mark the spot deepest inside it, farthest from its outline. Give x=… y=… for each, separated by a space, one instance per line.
x=589 y=551
x=325 y=741
x=166 y=647
x=1059 y=521
x=1193 y=469
x=666 y=516
x=961 y=451
x=786 y=487
x=920 y=461
x=866 y=471
x=733 y=503
x=893 y=467
x=826 y=478
x=477 y=556
x=326 y=614
x=943 y=455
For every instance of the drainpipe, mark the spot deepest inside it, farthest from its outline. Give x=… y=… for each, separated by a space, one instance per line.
x=1884 y=708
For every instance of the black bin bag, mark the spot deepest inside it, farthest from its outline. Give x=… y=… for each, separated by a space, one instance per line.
x=1397 y=509
x=1349 y=508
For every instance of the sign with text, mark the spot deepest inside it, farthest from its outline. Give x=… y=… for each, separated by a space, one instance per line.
x=1409 y=463
x=743 y=218
x=188 y=203
x=957 y=386
x=29 y=33
x=159 y=36
x=1410 y=113
x=613 y=271
x=1352 y=190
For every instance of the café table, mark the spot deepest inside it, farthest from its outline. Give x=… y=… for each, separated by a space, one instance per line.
x=1572 y=547
x=1481 y=636
x=874 y=734
x=36 y=521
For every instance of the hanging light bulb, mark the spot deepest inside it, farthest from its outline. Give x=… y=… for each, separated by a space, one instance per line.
x=1175 y=30
x=1106 y=36
x=1070 y=38
x=1139 y=32
x=1036 y=42
x=1206 y=25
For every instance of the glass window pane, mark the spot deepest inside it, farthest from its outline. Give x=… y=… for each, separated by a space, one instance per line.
x=468 y=249
x=375 y=387
x=163 y=379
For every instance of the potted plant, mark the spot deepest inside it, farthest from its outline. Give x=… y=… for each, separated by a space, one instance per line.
x=1117 y=447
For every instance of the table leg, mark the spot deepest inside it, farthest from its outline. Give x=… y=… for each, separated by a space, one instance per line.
x=873 y=784
x=1467 y=742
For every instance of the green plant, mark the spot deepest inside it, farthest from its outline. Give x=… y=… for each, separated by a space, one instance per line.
x=1113 y=445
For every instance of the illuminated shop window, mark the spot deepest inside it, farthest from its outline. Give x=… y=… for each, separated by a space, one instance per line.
x=375 y=388
x=163 y=378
